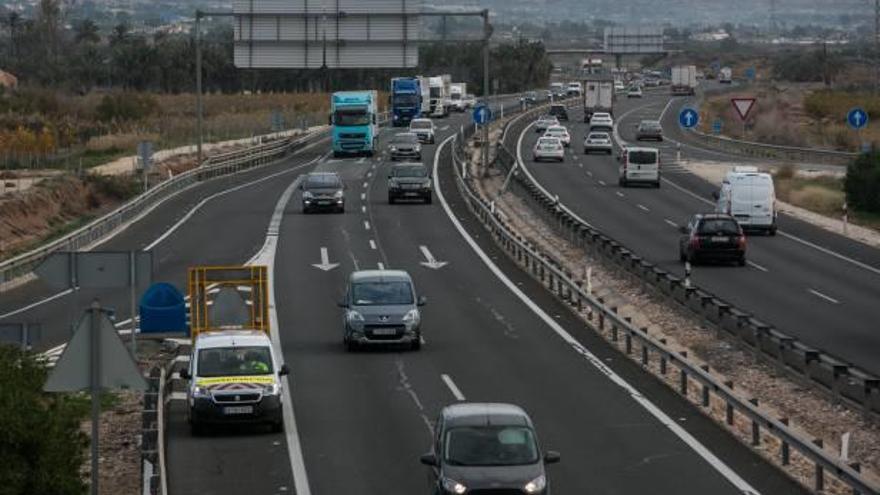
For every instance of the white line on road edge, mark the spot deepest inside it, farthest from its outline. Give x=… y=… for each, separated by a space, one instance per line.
x=787 y=235
x=719 y=465
x=757 y=266
x=452 y=388
x=35 y=304
x=823 y=296
x=266 y=256
x=372 y=244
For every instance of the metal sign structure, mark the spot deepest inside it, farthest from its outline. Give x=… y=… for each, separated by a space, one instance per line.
x=688 y=118
x=622 y=41
x=482 y=115
x=717 y=126
x=145 y=154
x=743 y=106
x=857 y=118
x=334 y=34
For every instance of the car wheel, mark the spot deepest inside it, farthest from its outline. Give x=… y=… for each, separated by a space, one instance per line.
x=741 y=261
x=390 y=199
x=609 y=152
x=428 y=199
x=621 y=182
x=681 y=255
x=657 y=185
x=416 y=344
x=340 y=209
x=348 y=345
x=306 y=210
x=337 y=154
x=196 y=429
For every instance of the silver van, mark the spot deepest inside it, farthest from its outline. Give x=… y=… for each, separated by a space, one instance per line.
x=639 y=165
x=381 y=308
x=749 y=196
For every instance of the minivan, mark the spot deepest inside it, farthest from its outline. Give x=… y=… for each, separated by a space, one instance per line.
x=381 y=307
x=748 y=196
x=639 y=165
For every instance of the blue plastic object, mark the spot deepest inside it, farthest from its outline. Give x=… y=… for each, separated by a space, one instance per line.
x=163 y=310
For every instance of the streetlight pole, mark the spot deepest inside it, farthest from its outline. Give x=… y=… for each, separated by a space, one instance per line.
x=486 y=91
x=199 y=102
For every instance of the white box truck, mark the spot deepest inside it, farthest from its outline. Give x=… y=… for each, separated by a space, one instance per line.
x=684 y=79
x=598 y=96
x=725 y=76
x=439 y=86
x=457 y=94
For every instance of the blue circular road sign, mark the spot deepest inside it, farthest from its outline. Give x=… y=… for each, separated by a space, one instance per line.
x=857 y=118
x=688 y=118
x=482 y=114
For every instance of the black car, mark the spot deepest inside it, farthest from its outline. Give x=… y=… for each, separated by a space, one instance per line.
x=487 y=448
x=405 y=145
x=559 y=112
x=409 y=181
x=712 y=236
x=323 y=191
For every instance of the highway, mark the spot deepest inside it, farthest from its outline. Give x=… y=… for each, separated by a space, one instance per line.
x=361 y=420
x=812 y=284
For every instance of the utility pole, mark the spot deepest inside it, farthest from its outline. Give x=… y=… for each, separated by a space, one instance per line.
x=199 y=103
x=772 y=18
x=486 y=90
x=876 y=46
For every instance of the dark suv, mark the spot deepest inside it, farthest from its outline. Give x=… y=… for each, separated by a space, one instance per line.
x=559 y=112
x=712 y=236
x=483 y=448
x=409 y=181
x=323 y=191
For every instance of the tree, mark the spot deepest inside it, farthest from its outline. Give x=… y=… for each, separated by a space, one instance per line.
x=40 y=443
x=86 y=32
x=862 y=183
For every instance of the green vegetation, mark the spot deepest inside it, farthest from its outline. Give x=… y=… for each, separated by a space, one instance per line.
x=862 y=183
x=41 y=444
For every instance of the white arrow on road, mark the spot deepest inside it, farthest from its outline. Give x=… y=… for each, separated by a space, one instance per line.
x=431 y=262
x=325 y=261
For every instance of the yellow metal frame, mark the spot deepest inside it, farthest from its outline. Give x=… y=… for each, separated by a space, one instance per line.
x=202 y=279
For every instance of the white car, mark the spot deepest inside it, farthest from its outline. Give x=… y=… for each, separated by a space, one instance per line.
x=548 y=148
x=598 y=141
x=601 y=122
x=560 y=132
x=545 y=122
x=424 y=129
x=639 y=165
x=634 y=92
x=619 y=87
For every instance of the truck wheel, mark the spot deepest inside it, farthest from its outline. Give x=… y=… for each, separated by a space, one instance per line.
x=277 y=427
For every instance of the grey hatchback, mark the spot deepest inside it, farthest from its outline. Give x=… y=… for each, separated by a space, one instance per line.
x=487 y=448
x=381 y=307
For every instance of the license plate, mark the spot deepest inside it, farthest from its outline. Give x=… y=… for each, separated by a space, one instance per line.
x=238 y=410
x=324 y=202
x=720 y=239
x=384 y=331
x=411 y=194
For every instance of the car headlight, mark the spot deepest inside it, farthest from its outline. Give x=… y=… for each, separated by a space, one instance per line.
x=307 y=195
x=394 y=149
x=427 y=184
x=338 y=195
x=353 y=316
x=453 y=486
x=412 y=317
x=200 y=392
x=536 y=485
x=272 y=389
x=418 y=147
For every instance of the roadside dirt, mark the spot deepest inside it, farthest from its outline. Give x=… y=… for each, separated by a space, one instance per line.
x=781 y=396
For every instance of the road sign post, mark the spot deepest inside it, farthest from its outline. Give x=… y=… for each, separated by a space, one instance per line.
x=482 y=116
x=857 y=118
x=743 y=107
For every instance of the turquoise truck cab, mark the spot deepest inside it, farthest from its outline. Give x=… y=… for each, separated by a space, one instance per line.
x=354 y=117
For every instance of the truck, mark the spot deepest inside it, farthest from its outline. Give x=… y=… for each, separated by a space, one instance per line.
x=439 y=95
x=725 y=75
x=684 y=79
x=598 y=95
x=406 y=100
x=457 y=95
x=235 y=374
x=354 y=118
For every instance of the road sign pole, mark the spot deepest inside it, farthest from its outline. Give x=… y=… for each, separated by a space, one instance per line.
x=199 y=103
x=486 y=90
x=95 y=387
x=132 y=293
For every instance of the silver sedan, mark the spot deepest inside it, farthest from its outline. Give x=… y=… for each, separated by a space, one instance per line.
x=598 y=141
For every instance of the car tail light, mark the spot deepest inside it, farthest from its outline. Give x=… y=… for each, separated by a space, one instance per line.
x=695 y=242
x=741 y=242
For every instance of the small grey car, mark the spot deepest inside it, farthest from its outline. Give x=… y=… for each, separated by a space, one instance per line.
x=381 y=308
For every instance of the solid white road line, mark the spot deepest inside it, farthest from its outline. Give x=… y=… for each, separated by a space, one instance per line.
x=757 y=266
x=824 y=296
x=643 y=207
x=637 y=396
x=38 y=303
x=267 y=257
x=452 y=387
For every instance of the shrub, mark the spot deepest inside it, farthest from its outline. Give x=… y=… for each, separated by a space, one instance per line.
x=118 y=187
x=122 y=107
x=862 y=183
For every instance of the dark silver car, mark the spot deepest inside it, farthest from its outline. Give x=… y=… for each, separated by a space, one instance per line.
x=487 y=448
x=649 y=129
x=323 y=191
x=381 y=308
x=405 y=146
x=409 y=181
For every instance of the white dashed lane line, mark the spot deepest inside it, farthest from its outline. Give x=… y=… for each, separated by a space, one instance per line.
x=824 y=296
x=602 y=182
x=643 y=207
x=366 y=224
x=363 y=196
x=452 y=387
x=619 y=194
x=757 y=266
x=671 y=223
x=372 y=244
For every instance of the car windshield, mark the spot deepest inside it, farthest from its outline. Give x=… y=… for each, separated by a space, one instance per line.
x=420 y=124
x=643 y=157
x=598 y=135
x=323 y=181
x=556 y=130
x=351 y=117
x=415 y=171
x=381 y=293
x=718 y=226
x=651 y=126
x=234 y=361
x=490 y=446
x=405 y=139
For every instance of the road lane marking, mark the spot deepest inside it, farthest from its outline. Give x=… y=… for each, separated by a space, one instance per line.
x=452 y=387
x=366 y=224
x=601 y=182
x=361 y=160
x=380 y=265
x=369 y=174
x=757 y=266
x=363 y=196
x=372 y=244
x=325 y=264
x=620 y=194
x=366 y=184
x=643 y=207
x=589 y=173
x=824 y=296
x=35 y=304
x=430 y=261
x=594 y=360
x=363 y=209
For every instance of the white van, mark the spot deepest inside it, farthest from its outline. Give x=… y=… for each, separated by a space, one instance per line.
x=639 y=165
x=749 y=196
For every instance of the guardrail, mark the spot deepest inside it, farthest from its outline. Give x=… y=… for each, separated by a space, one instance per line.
x=773 y=151
x=608 y=322
x=19 y=268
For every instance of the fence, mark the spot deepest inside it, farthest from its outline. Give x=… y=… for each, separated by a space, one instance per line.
x=608 y=322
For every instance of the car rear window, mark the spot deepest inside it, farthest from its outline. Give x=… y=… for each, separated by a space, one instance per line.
x=409 y=171
x=322 y=181
x=598 y=135
x=548 y=141
x=716 y=226
x=643 y=157
x=420 y=125
x=405 y=138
